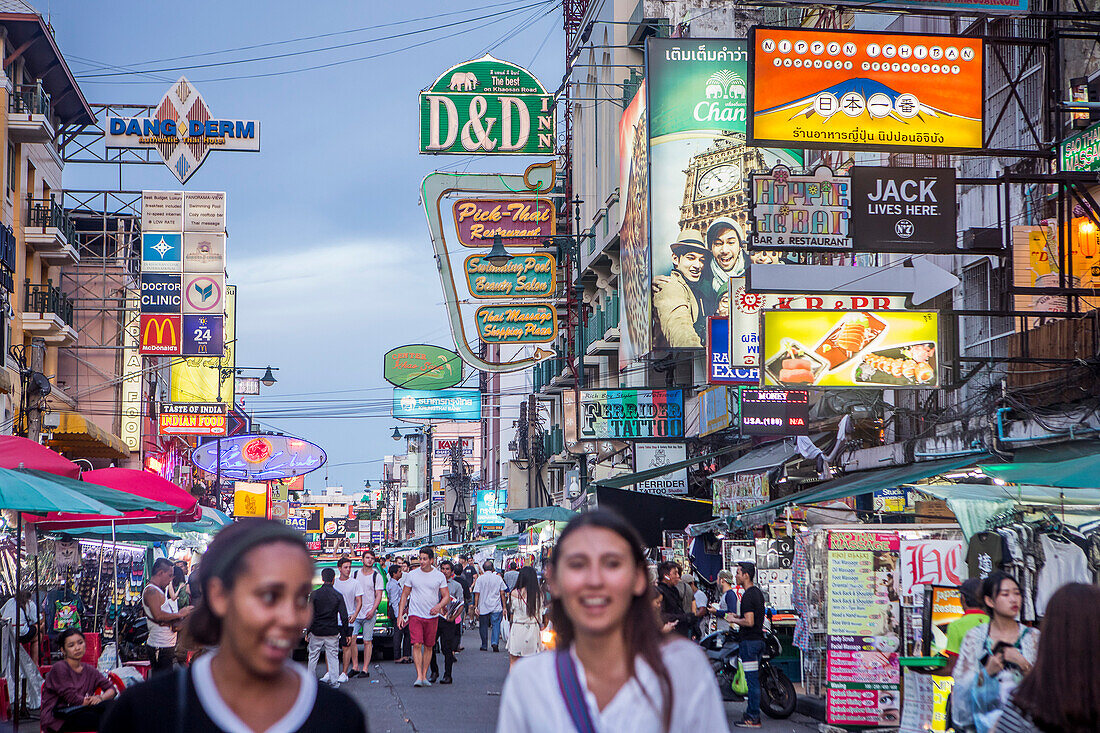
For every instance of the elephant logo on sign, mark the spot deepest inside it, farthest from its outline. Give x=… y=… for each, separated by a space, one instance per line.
x=464 y=81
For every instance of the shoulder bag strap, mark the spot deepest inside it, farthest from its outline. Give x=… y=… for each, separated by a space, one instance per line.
x=571 y=692
x=181 y=699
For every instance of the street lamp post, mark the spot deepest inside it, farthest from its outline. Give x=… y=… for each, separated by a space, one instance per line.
x=224 y=373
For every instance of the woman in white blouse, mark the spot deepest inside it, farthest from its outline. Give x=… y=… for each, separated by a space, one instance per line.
x=614 y=670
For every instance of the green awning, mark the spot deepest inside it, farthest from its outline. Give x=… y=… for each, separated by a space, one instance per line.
x=629 y=479
x=540 y=514
x=865 y=482
x=1019 y=494
x=509 y=541
x=1075 y=473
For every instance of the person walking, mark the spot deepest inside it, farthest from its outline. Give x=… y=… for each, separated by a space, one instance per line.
x=163 y=616
x=970 y=593
x=613 y=670
x=425 y=594
x=450 y=624
x=29 y=620
x=352 y=593
x=728 y=601
x=993 y=657
x=75 y=696
x=402 y=649
x=511 y=575
x=525 y=605
x=469 y=574
x=751 y=621
x=1062 y=692
x=489 y=590
x=672 y=608
x=330 y=622
x=256 y=578
x=371 y=585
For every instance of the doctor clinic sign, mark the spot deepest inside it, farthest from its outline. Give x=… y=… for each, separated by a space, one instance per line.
x=487 y=106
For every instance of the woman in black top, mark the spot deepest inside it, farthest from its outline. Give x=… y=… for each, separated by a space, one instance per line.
x=255 y=579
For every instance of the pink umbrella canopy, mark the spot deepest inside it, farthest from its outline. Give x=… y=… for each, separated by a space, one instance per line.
x=140 y=483
x=16 y=452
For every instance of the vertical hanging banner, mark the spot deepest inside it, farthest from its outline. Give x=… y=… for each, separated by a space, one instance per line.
x=635 y=337
x=698 y=161
x=487 y=106
x=865 y=90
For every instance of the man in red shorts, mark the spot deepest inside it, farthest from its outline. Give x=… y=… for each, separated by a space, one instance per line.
x=424 y=596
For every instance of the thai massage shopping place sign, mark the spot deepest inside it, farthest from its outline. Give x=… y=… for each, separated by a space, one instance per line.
x=487 y=106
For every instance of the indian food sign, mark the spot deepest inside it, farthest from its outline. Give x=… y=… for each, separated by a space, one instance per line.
x=518 y=222
x=487 y=106
x=422 y=366
x=858 y=90
x=850 y=349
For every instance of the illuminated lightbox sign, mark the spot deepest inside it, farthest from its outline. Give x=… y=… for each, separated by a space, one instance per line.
x=631 y=414
x=260 y=457
x=443 y=404
x=800 y=211
x=775 y=412
x=194 y=418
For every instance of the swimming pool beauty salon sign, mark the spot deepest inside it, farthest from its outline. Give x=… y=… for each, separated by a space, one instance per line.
x=486 y=106
x=183 y=130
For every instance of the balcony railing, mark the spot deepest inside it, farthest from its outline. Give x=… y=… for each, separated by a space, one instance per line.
x=28 y=99
x=46 y=298
x=45 y=213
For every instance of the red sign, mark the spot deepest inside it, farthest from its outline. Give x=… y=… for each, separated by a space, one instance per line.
x=194 y=418
x=160 y=334
x=257 y=450
x=930 y=562
x=520 y=222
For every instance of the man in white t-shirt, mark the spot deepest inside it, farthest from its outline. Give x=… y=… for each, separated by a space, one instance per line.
x=489 y=590
x=371 y=585
x=424 y=596
x=350 y=589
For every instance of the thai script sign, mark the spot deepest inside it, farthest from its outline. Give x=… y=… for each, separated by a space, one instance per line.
x=988 y=6
x=720 y=370
x=444 y=404
x=422 y=366
x=489 y=505
x=524 y=276
x=487 y=106
x=194 y=418
x=796 y=211
x=1080 y=152
x=631 y=414
x=183 y=130
x=519 y=222
x=903 y=210
x=856 y=90
x=516 y=324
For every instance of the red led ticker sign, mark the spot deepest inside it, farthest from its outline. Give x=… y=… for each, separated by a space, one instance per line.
x=775 y=412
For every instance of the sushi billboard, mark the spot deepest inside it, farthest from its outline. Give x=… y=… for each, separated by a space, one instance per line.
x=888 y=349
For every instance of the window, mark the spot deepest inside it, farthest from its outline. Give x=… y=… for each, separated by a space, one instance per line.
x=13 y=168
x=982 y=290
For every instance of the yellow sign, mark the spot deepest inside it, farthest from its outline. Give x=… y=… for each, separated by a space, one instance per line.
x=196 y=379
x=850 y=348
x=130 y=430
x=249 y=499
x=1037 y=263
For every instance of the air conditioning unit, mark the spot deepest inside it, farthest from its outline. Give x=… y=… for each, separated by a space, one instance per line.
x=983 y=239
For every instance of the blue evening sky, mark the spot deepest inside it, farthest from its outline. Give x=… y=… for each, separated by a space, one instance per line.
x=328 y=244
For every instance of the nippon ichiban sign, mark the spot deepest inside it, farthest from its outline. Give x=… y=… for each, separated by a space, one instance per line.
x=160 y=334
x=194 y=418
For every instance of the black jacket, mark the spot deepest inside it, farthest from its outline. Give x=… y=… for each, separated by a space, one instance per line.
x=330 y=617
x=672 y=609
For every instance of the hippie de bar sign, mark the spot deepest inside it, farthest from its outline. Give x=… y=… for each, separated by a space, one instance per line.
x=797 y=211
x=487 y=106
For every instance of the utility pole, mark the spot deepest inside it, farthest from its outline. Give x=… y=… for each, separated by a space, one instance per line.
x=34 y=409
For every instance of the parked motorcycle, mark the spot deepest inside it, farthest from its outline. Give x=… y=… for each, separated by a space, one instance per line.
x=777 y=695
x=133 y=630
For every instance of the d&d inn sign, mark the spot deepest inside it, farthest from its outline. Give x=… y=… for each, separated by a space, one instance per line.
x=487 y=106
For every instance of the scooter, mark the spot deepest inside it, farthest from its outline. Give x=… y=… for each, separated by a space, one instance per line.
x=777 y=695
x=132 y=631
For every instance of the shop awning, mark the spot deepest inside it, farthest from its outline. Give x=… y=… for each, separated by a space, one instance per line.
x=651 y=514
x=78 y=436
x=1019 y=494
x=760 y=460
x=540 y=514
x=865 y=482
x=629 y=479
x=1074 y=473
x=125 y=533
x=509 y=541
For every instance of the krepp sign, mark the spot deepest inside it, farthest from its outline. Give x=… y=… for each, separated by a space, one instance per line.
x=487 y=106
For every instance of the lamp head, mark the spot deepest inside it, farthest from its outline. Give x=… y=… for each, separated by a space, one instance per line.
x=268 y=378
x=498 y=256
x=396 y=434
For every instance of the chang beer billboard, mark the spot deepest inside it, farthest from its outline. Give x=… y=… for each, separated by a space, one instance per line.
x=487 y=106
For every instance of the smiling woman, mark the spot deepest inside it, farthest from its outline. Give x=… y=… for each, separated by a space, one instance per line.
x=256 y=578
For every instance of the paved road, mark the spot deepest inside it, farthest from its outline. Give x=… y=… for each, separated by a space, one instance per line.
x=393 y=705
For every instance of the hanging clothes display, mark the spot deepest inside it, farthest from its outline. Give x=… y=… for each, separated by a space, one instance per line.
x=1064 y=563
x=984 y=554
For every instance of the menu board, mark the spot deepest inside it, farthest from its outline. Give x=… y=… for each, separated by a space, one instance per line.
x=863 y=642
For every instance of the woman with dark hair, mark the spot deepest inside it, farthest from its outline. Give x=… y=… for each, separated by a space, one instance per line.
x=256 y=579
x=1062 y=694
x=525 y=606
x=613 y=669
x=74 y=695
x=177 y=589
x=993 y=658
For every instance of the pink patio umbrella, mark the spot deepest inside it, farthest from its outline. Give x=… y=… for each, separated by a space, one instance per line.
x=140 y=483
x=16 y=452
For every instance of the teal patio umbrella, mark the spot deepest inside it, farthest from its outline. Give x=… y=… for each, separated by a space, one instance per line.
x=37 y=492
x=540 y=514
x=125 y=533
x=212 y=520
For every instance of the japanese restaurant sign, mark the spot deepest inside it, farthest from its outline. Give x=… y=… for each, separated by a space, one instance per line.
x=865 y=90
x=800 y=211
x=519 y=222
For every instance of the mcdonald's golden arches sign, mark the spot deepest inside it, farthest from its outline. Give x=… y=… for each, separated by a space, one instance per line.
x=160 y=334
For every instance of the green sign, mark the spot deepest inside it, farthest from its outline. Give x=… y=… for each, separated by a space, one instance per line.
x=1080 y=151
x=516 y=324
x=420 y=366
x=487 y=106
x=524 y=276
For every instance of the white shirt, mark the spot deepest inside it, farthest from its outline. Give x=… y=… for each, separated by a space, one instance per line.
x=28 y=615
x=489 y=585
x=350 y=590
x=224 y=717
x=532 y=703
x=425 y=591
x=370 y=586
x=1063 y=563
x=700 y=599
